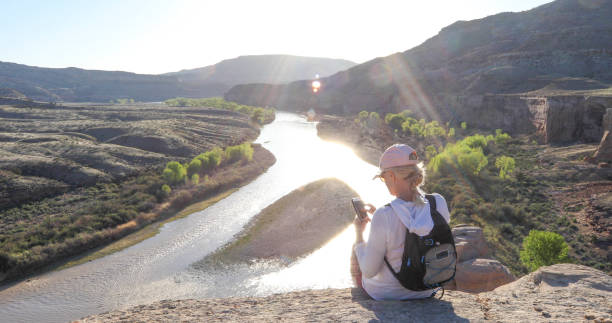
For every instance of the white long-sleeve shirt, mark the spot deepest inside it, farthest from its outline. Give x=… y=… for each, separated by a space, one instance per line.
x=387 y=236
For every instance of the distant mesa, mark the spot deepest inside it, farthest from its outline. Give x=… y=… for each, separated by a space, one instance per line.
x=79 y=85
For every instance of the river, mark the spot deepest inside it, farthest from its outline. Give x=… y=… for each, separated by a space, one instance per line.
x=167 y=266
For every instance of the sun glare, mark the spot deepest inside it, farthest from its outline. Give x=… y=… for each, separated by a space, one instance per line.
x=316 y=85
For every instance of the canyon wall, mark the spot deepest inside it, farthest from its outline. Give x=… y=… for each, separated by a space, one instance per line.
x=554 y=119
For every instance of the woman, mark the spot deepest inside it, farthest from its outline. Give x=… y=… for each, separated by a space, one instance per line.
x=403 y=174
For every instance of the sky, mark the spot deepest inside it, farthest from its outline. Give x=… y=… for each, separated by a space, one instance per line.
x=156 y=36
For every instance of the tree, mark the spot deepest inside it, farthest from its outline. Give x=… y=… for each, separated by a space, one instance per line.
x=363 y=115
x=174 y=173
x=505 y=165
x=242 y=152
x=475 y=141
x=395 y=121
x=194 y=166
x=469 y=160
x=432 y=130
x=542 y=248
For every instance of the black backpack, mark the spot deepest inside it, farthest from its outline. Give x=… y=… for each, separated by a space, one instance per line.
x=428 y=261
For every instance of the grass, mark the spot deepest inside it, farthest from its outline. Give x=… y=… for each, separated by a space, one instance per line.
x=147 y=232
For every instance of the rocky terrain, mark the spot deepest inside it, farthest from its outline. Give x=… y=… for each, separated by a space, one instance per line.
x=79 y=85
x=559 y=293
x=566 y=188
x=77 y=176
x=545 y=70
x=49 y=149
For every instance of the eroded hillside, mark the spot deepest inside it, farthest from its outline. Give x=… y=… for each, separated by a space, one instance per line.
x=48 y=149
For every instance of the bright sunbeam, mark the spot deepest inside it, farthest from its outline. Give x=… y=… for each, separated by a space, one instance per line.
x=327 y=267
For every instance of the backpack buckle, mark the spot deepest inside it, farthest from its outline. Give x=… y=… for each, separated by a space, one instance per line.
x=428 y=242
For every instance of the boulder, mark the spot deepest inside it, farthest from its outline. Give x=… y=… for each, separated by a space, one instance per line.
x=481 y=275
x=470 y=243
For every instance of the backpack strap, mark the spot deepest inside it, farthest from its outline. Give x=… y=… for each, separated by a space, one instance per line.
x=432 y=202
x=433 y=210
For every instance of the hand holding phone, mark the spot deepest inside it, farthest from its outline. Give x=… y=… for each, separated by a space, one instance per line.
x=359 y=208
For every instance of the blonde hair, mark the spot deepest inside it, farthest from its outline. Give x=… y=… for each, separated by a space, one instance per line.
x=415 y=175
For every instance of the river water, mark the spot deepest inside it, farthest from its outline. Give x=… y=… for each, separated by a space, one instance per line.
x=168 y=265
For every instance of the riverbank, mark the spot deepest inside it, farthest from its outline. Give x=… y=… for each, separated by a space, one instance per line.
x=560 y=293
x=226 y=179
x=297 y=224
x=367 y=145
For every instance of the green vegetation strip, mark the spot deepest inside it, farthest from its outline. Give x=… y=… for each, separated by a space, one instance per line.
x=258 y=115
x=147 y=232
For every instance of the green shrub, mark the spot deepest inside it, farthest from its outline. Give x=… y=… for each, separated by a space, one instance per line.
x=542 y=248
x=258 y=115
x=374 y=116
x=363 y=116
x=215 y=156
x=174 y=173
x=433 y=130
x=451 y=133
x=210 y=159
x=205 y=164
x=195 y=179
x=430 y=151
x=464 y=125
x=395 y=121
x=505 y=165
x=475 y=141
x=194 y=166
x=243 y=152
x=459 y=156
x=501 y=138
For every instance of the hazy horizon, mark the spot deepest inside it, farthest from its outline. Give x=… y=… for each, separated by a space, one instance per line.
x=154 y=37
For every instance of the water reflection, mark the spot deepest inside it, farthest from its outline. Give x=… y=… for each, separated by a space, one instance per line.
x=160 y=267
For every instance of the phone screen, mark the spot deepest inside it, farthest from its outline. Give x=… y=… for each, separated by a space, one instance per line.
x=359 y=208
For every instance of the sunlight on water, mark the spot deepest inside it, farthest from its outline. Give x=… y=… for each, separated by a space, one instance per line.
x=165 y=266
x=328 y=267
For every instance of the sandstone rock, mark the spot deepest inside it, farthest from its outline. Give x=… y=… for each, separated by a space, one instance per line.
x=470 y=243
x=479 y=275
x=560 y=293
x=567 y=292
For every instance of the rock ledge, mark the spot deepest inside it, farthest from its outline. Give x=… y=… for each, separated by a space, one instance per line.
x=559 y=293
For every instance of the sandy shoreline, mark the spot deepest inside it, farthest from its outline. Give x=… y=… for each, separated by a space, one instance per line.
x=297 y=224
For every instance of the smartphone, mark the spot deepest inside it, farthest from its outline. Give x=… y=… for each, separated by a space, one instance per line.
x=359 y=208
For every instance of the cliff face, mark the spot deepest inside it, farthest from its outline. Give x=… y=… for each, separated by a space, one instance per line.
x=563 y=48
x=555 y=119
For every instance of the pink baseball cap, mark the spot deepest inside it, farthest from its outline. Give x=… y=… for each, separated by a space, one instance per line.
x=397 y=155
